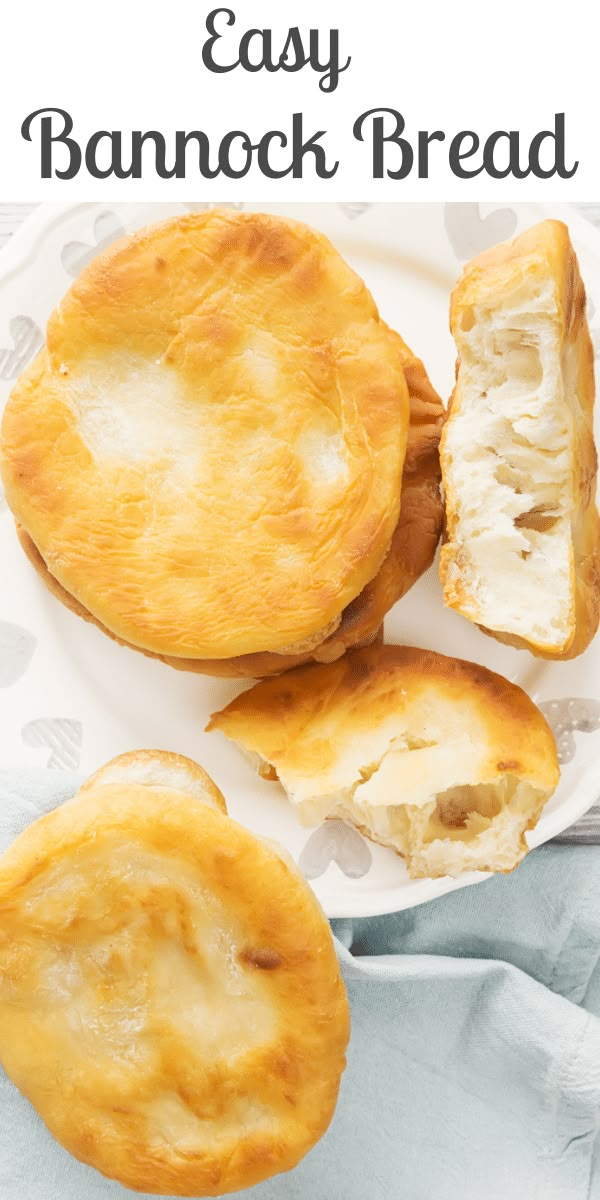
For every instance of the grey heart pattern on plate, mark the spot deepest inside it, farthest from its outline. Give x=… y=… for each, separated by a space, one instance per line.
x=337 y=842
x=76 y=255
x=16 y=650
x=27 y=340
x=354 y=210
x=567 y=717
x=470 y=233
x=61 y=735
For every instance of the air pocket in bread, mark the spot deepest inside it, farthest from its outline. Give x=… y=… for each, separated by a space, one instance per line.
x=522 y=549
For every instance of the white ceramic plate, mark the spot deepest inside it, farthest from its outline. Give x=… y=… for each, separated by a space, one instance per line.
x=70 y=697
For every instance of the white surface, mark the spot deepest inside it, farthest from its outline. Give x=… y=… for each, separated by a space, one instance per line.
x=125 y=701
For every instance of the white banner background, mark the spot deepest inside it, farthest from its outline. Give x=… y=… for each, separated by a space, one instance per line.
x=504 y=64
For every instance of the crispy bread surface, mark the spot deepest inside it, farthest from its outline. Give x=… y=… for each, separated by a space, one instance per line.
x=208 y=452
x=411 y=551
x=170 y=997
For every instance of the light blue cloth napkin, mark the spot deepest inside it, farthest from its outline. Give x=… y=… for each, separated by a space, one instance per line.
x=474 y=1064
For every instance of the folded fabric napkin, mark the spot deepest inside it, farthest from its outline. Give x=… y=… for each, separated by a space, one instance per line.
x=474 y=1063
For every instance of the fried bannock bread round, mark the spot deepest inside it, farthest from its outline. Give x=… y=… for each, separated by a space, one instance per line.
x=410 y=554
x=443 y=760
x=522 y=550
x=208 y=452
x=170 y=997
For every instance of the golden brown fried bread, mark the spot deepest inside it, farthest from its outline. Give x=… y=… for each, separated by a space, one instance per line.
x=158 y=769
x=170 y=998
x=208 y=453
x=522 y=555
x=444 y=761
x=411 y=552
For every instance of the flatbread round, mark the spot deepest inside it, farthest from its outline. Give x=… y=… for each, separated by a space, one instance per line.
x=411 y=551
x=208 y=452
x=170 y=997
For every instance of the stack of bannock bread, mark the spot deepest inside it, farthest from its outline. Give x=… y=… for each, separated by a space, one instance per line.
x=208 y=456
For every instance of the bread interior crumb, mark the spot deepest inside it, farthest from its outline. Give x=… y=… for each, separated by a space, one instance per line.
x=510 y=453
x=445 y=831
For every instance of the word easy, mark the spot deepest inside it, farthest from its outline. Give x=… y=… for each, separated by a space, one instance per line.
x=255 y=51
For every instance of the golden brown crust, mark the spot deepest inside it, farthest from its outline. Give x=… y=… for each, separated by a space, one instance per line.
x=542 y=255
x=170 y=998
x=411 y=551
x=391 y=737
x=136 y=454
x=161 y=769
x=365 y=686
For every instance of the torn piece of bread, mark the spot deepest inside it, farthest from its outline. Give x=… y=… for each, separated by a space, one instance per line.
x=170 y=998
x=411 y=552
x=443 y=760
x=521 y=556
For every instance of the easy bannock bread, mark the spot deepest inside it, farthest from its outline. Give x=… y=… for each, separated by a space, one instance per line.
x=442 y=760
x=170 y=997
x=521 y=555
x=208 y=453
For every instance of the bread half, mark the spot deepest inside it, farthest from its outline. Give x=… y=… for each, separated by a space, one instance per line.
x=522 y=543
x=443 y=760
